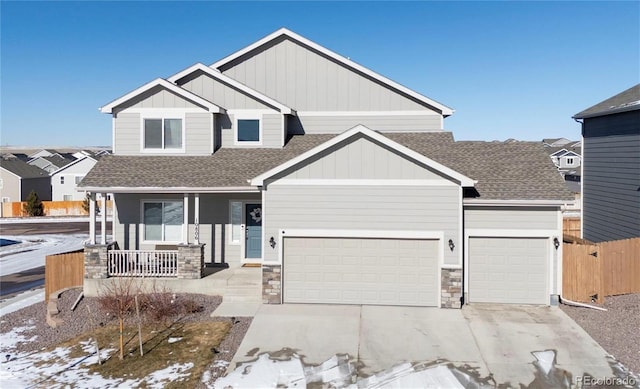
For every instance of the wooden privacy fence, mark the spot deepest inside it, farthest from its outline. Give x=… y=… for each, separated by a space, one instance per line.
x=571 y=226
x=63 y=271
x=591 y=271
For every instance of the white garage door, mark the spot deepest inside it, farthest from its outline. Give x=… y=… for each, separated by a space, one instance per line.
x=508 y=270
x=361 y=271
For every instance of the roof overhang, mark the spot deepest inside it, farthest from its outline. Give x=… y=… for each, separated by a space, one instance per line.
x=515 y=203
x=230 y=189
x=214 y=73
x=72 y=164
x=445 y=111
x=633 y=106
x=360 y=129
x=206 y=104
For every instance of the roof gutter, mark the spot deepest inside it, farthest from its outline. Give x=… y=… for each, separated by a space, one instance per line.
x=227 y=189
x=513 y=203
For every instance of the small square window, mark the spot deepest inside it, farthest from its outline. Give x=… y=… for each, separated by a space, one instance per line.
x=62 y=180
x=248 y=130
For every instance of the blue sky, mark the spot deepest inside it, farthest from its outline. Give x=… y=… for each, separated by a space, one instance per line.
x=509 y=69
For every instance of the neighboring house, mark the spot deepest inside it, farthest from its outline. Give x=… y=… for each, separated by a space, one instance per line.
x=65 y=180
x=51 y=163
x=18 y=179
x=566 y=159
x=611 y=167
x=556 y=142
x=339 y=182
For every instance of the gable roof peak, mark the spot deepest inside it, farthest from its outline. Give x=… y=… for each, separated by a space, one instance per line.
x=444 y=110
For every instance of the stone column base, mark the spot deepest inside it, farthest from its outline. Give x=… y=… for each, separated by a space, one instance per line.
x=271 y=284
x=451 y=286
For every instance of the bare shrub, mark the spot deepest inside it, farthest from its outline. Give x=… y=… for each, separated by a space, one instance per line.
x=116 y=297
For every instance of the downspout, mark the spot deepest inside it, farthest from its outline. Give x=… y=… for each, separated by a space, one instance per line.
x=577 y=304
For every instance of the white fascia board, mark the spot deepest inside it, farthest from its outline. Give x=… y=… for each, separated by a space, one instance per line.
x=112 y=189
x=165 y=84
x=446 y=111
x=71 y=164
x=228 y=80
x=560 y=152
x=463 y=180
x=515 y=203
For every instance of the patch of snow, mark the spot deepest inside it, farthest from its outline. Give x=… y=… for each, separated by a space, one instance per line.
x=405 y=376
x=9 y=340
x=173 y=340
x=265 y=373
x=545 y=360
x=22 y=300
x=175 y=372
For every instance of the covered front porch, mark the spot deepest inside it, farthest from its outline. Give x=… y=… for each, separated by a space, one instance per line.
x=175 y=235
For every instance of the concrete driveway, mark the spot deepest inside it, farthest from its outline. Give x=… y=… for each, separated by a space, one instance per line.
x=480 y=345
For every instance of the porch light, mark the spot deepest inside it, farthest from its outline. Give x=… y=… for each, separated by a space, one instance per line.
x=451 y=245
x=272 y=242
x=556 y=243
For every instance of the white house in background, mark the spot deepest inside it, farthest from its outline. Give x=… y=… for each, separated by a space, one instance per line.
x=566 y=159
x=65 y=180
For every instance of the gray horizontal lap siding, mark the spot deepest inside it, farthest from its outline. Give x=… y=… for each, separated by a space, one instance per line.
x=611 y=177
x=510 y=218
x=272 y=131
x=309 y=124
x=409 y=208
x=309 y=81
x=197 y=126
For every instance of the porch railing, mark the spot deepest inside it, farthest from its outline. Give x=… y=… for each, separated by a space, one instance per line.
x=143 y=263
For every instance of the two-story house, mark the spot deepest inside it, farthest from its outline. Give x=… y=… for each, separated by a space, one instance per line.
x=341 y=184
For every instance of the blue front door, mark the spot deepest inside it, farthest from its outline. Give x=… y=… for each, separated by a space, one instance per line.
x=253 y=222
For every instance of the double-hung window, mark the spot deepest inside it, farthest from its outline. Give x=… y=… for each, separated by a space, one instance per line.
x=163 y=133
x=163 y=220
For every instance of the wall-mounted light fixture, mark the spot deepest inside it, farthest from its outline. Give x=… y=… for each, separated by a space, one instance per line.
x=556 y=243
x=451 y=245
x=272 y=242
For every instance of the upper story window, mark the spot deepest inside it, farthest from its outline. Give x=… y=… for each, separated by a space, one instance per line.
x=248 y=129
x=163 y=133
x=62 y=180
x=569 y=161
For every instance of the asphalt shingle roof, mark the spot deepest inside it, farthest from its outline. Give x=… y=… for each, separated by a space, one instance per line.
x=22 y=169
x=523 y=170
x=628 y=100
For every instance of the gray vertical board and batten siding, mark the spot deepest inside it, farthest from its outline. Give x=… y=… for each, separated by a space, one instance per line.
x=310 y=124
x=611 y=177
x=158 y=97
x=214 y=227
x=360 y=159
x=307 y=80
x=220 y=93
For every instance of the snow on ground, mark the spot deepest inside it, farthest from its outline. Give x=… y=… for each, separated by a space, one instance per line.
x=21 y=300
x=48 y=219
x=57 y=369
x=33 y=249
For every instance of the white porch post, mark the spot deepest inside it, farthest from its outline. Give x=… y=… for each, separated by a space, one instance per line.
x=196 y=218
x=185 y=218
x=103 y=221
x=92 y=218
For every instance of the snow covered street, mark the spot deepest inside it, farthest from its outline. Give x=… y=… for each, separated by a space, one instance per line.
x=33 y=249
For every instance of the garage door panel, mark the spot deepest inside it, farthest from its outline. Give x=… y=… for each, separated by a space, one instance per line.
x=361 y=271
x=508 y=270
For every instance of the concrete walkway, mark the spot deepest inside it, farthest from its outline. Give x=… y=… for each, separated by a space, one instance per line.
x=492 y=344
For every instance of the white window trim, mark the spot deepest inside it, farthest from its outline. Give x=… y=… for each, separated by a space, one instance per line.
x=247 y=116
x=162 y=115
x=142 y=224
x=242 y=224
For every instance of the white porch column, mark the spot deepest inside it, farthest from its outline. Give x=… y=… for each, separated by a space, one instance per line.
x=92 y=218
x=196 y=218
x=185 y=219
x=103 y=221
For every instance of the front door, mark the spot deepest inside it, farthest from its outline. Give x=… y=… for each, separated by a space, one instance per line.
x=253 y=233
